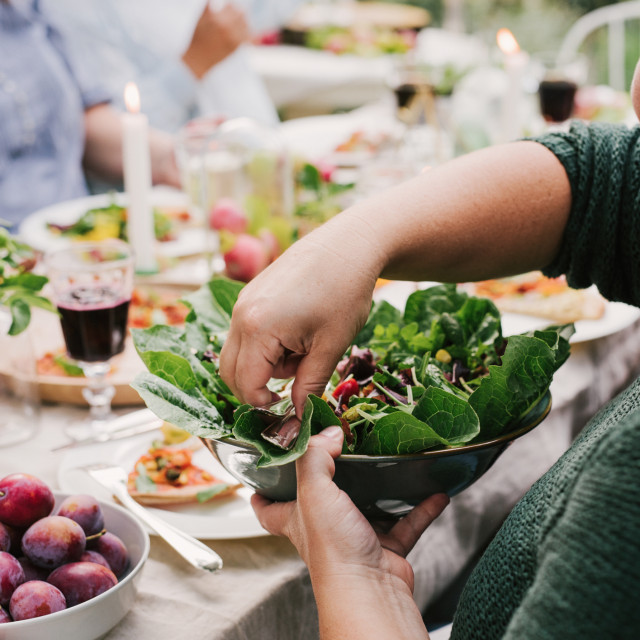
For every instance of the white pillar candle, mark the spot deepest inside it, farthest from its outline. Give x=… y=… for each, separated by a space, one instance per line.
x=136 y=162
x=515 y=64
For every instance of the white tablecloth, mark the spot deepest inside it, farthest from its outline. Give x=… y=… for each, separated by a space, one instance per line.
x=264 y=591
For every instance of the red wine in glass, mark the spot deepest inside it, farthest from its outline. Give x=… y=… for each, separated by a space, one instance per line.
x=92 y=283
x=405 y=93
x=556 y=99
x=94 y=322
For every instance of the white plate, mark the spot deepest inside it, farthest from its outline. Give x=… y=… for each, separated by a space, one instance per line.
x=223 y=519
x=35 y=232
x=317 y=137
x=617 y=316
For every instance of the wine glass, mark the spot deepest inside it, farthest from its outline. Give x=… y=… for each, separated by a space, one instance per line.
x=557 y=88
x=92 y=283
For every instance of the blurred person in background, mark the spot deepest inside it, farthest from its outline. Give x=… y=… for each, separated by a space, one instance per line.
x=187 y=58
x=55 y=119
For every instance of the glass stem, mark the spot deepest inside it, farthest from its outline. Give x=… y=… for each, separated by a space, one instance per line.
x=98 y=393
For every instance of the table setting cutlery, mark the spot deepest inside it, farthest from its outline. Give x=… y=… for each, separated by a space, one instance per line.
x=196 y=553
x=126 y=426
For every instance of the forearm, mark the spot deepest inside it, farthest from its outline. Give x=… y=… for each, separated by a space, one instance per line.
x=366 y=608
x=494 y=212
x=103 y=147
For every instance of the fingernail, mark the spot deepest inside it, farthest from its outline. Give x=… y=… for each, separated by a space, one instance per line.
x=333 y=433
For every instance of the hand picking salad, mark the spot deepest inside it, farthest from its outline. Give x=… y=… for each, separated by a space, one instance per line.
x=438 y=375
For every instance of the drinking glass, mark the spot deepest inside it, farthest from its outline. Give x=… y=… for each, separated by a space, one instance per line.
x=19 y=392
x=421 y=107
x=92 y=283
x=190 y=147
x=209 y=170
x=557 y=88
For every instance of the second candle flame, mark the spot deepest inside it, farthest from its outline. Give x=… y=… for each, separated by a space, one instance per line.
x=507 y=42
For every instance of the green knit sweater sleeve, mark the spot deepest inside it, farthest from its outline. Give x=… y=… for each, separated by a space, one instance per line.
x=601 y=244
x=586 y=585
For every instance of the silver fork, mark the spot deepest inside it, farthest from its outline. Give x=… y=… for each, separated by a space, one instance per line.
x=114 y=479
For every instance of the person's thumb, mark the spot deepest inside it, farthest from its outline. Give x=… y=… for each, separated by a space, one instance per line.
x=316 y=465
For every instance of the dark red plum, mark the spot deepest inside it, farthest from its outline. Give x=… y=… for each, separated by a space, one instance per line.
x=85 y=510
x=53 y=541
x=5 y=538
x=15 y=534
x=4 y=616
x=34 y=599
x=24 y=499
x=31 y=572
x=94 y=556
x=114 y=552
x=11 y=576
x=81 y=581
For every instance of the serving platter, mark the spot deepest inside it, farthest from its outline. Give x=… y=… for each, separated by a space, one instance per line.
x=382 y=14
x=223 y=519
x=189 y=239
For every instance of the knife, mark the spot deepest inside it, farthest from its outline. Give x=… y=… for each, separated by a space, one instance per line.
x=125 y=426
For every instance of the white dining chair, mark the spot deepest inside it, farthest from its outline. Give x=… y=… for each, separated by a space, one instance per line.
x=613 y=18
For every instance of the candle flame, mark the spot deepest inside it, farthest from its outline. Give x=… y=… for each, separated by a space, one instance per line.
x=132 y=97
x=507 y=42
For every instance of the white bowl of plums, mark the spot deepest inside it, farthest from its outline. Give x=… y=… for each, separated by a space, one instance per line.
x=69 y=565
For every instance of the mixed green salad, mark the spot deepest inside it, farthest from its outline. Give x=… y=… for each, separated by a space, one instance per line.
x=440 y=374
x=110 y=222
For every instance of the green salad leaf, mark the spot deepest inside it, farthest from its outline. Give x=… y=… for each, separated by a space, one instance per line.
x=19 y=287
x=438 y=375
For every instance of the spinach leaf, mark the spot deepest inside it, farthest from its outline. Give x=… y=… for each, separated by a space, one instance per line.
x=450 y=416
x=188 y=409
x=510 y=390
x=143 y=482
x=382 y=314
x=68 y=366
x=400 y=433
x=212 y=492
x=249 y=427
x=427 y=305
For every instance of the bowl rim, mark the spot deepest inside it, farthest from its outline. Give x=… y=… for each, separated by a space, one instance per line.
x=146 y=547
x=529 y=421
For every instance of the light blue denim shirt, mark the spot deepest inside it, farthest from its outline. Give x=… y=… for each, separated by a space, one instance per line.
x=143 y=41
x=42 y=101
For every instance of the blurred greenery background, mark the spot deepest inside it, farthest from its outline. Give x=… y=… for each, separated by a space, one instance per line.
x=539 y=26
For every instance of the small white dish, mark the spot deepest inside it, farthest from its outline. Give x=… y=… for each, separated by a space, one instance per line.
x=94 y=618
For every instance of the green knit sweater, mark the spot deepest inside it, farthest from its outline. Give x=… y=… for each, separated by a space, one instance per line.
x=566 y=563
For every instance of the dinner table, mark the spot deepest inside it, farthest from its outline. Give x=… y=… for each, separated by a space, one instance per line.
x=264 y=590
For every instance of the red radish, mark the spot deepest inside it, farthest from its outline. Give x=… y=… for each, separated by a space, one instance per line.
x=226 y=214
x=271 y=243
x=247 y=258
x=326 y=171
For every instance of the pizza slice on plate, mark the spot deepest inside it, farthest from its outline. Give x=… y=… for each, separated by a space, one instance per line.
x=166 y=475
x=534 y=294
